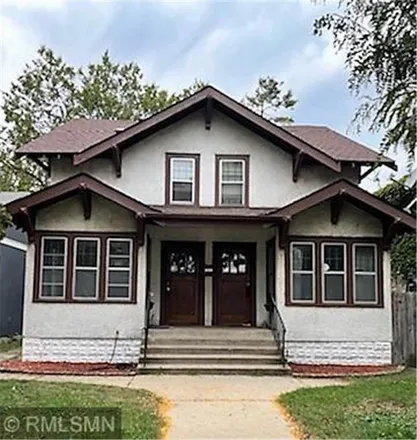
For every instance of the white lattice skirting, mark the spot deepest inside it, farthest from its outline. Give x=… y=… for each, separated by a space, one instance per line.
x=337 y=352
x=124 y=351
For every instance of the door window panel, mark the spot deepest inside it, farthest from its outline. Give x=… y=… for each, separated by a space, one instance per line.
x=182 y=262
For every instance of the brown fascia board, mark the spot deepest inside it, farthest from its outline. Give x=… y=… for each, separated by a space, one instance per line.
x=354 y=193
x=222 y=102
x=66 y=188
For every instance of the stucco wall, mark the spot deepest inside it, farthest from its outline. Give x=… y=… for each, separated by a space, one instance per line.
x=209 y=235
x=83 y=332
x=143 y=165
x=336 y=334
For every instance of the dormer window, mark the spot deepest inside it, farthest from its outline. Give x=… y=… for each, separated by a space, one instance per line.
x=232 y=180
x=182 y=179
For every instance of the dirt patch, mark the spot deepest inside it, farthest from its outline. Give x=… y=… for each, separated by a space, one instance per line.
x=295 y=431
x=370 y=406
x=307 y=370
x=66 y=368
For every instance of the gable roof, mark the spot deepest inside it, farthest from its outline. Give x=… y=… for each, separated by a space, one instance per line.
x=336 y=144
x=86 y=139
x=71 y=186
x=74 y=136
x=352 y=193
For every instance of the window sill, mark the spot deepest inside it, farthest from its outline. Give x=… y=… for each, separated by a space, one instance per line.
x=335 y=305
x=82 y=301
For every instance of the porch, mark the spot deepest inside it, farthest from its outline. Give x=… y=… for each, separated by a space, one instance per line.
x=210 y=275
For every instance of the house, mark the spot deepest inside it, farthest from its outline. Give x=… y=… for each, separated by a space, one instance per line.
x=219 y=218
x=12 y=273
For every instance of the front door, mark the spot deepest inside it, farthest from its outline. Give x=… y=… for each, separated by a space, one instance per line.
x=182 y=283
x=234 y=283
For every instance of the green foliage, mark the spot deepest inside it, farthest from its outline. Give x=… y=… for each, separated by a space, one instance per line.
x=5 y=220
x=367 y=408
x=403 y=247
x=396 y=193
x=269 y=98
x=403 y=257
x=379 y=39
x=50 y=92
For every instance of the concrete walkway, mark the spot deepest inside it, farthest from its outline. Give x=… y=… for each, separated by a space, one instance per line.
x=211 y=407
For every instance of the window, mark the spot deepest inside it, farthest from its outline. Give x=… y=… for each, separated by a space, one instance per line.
x=119 y=268
x=232 y=181
x=86 y=268
x=53 y=267
x=302 y=272
x=334 y=272
x=89 y=267
x=365 y=279
x=182 y=179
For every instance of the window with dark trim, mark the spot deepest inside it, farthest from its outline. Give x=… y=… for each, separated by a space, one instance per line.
x=232 y=180
x=119 y=268
x=53 y=268
x=182 y=179
x=86 y=267
x=89 y=267
x=334 y=272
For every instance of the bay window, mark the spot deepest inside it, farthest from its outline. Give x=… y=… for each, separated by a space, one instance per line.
x=89 y=267
x=334 y=271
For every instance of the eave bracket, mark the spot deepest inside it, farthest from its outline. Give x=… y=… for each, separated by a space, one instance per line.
x=117 y=160
x=208 y=112
x=296 y=166
x=140 y=229
x=284 y=228
x=28 y=224
x=86 y=201
x=336 y=206
x=390 y=231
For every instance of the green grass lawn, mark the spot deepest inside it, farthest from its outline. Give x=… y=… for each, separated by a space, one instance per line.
x=140 y=415
x=366 y=408
x=9 y=344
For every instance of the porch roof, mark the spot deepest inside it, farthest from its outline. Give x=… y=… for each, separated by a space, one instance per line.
x=342 y=190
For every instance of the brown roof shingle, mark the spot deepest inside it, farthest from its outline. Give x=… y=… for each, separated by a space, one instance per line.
x=335 y=144
x=74 y=136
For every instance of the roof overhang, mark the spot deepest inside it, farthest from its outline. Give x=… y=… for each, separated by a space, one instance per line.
x=24 y=210
x=394 y=220
x=208 y=99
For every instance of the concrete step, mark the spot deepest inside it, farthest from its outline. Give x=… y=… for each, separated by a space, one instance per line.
x=265 y=342
x=216 y=369
x=212 y=349
x=232 y=333
x=214 y=359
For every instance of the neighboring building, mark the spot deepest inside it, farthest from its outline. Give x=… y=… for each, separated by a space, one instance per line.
x=12 y=274
x=219 y=213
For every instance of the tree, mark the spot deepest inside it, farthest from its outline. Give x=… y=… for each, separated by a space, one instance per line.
x=50 y=92
x=4 y=221
x=269 y=98
x=403 y=247
x=379 y=39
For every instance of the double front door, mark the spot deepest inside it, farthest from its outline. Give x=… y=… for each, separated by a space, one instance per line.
x=182 y=283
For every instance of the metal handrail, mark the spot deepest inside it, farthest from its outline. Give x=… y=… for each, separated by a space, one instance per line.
x=149 y=305
x=277 y=326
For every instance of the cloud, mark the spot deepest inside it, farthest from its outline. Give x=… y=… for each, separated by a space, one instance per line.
x=316 y=63
x=35 y=4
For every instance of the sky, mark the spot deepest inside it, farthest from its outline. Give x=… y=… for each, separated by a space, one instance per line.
x=229 y=44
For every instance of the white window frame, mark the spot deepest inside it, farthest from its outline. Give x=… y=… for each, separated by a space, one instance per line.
x=121 y=269
x=171 y=180
x=64 y=268
x=75 y=267
x=307 y=272
x=374 y=273
x=232 y=182
x=334 y=272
